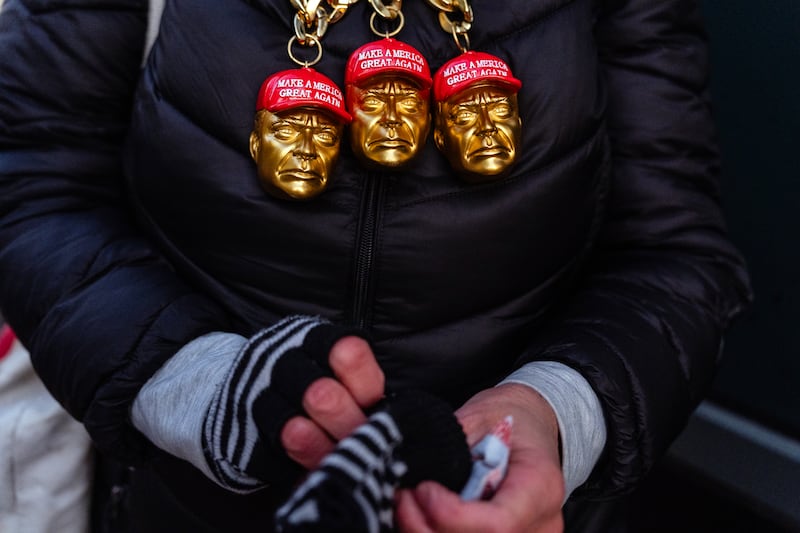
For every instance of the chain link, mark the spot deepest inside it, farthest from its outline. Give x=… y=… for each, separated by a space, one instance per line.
x=339 y=8
x=388 y=10
x=314 y=16
x=312 y=21
x=306 y=10
x=460 y=25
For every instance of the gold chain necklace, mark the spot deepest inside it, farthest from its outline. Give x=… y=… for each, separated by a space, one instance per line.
x=312 y=18
x=301 y=114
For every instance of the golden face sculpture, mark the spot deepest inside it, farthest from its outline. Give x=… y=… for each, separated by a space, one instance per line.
x=388 y=86
x=478 y=126
x=295 y=150
x=391 y=120
x=479 y=131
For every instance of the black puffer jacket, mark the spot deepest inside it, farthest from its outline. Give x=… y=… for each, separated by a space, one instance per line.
x=133 y=221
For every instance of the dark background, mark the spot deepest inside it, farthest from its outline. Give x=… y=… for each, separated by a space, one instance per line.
x=756 y=88
x=755 y=53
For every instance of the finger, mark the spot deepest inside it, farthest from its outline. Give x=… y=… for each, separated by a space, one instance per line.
x=354 y=364
x=445 y=512
x=408 y=515
x=330 y=405
x=520 y=504
x=441 y=508
x=305 y=442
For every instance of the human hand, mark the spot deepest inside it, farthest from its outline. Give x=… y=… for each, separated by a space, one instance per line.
x=412 y=437
x=529 y=499
x=335 y=406
x=279 y=373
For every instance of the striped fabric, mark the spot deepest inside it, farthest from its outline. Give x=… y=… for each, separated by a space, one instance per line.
x=353 y=488
x=231 y=435
x=412 y=436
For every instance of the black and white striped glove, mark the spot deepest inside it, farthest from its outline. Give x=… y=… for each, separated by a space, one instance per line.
x=413 y=437
x=262 y=390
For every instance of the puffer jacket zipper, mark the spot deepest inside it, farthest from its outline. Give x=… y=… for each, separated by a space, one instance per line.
x=369 y=222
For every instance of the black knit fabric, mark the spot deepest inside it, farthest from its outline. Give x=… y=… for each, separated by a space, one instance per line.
x=263 y=389
x=434 y=445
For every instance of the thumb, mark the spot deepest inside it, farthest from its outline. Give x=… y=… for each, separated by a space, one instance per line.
x=435 y=499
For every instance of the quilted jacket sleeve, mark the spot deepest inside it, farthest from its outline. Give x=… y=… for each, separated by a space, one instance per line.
x=97 y=306
x=646 y=325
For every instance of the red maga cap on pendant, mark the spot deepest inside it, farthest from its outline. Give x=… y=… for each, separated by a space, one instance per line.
x=387 y=56
x=471 y=68
x=302 y=87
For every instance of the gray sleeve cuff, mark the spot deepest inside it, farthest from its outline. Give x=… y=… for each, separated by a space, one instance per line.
x=580 y=417
x=171 y=407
